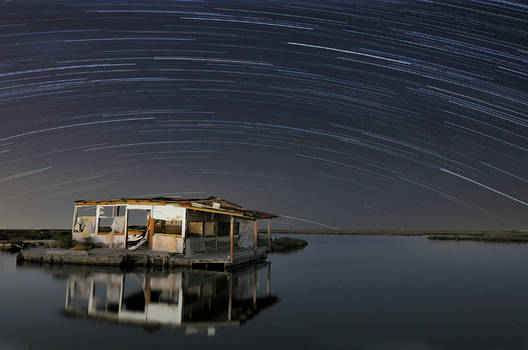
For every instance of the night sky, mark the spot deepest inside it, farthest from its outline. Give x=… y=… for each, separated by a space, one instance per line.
x=334 y=114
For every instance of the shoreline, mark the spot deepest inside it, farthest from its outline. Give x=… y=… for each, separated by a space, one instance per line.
x=62 y=237
x=401 y=232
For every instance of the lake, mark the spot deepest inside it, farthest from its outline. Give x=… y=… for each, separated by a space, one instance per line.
x=340 y=292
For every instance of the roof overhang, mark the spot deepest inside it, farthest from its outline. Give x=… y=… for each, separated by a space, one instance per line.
x=211 y=204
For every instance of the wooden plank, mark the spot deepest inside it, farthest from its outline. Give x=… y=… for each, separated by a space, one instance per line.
x=170 y=234
x=121 y=202
x=108 y=256
x=225 y=212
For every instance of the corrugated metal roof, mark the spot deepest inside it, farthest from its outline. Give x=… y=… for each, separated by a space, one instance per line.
x=213 y=204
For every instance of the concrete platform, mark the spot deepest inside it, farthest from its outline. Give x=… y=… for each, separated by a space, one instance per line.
x=143 y=257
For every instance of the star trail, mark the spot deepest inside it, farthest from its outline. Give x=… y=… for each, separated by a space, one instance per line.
x=334 y=114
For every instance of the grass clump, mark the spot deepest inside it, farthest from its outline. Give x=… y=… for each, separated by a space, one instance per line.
x=85 y=244
x=63 y=239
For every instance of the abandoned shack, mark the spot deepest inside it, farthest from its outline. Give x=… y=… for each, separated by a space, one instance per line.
x=211 y=229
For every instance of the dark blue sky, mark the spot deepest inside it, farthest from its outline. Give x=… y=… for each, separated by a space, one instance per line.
x=348 y=114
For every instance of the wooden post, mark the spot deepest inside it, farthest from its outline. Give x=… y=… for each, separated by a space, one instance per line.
x=256 y=237
x=151 y=230
x=126 y=228
x=75 y=214
x=231 y=239
x=269 y=234
x=97 y=219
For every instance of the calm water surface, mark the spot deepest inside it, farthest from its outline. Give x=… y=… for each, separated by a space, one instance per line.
x=341 y=292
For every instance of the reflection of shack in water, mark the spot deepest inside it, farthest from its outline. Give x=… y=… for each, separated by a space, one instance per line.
x=182 y=298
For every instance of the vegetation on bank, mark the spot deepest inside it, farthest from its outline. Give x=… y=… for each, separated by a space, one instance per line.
x=512 y=236
x=19 y=235
x=60 y=238
x=485 y=237
x=283 y=244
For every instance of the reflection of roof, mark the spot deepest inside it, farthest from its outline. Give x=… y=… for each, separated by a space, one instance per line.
x=211 y=204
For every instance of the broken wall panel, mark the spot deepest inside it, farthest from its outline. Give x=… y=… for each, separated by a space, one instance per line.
x=168 y=213
x=168 y=243
x=195 y=228
x=246 y=232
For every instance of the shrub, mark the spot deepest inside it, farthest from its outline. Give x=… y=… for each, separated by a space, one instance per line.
x=86 y=244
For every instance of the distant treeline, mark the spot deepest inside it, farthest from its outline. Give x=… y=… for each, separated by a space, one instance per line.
x=486 y=237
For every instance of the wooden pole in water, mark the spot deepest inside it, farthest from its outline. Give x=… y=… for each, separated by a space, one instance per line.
x=256 y=237
x=254 y=285
x=231 y=238
x=269 y=234
x=91 y=306
x=268 y=281
x=68 y=296
x=147 y=290
x=121 y=292
x=230 y=305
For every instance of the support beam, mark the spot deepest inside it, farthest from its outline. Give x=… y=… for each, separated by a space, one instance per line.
x=125 y=245
x=97 y=213
x=151 y=230
x=231 y=238
x=269 y=234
